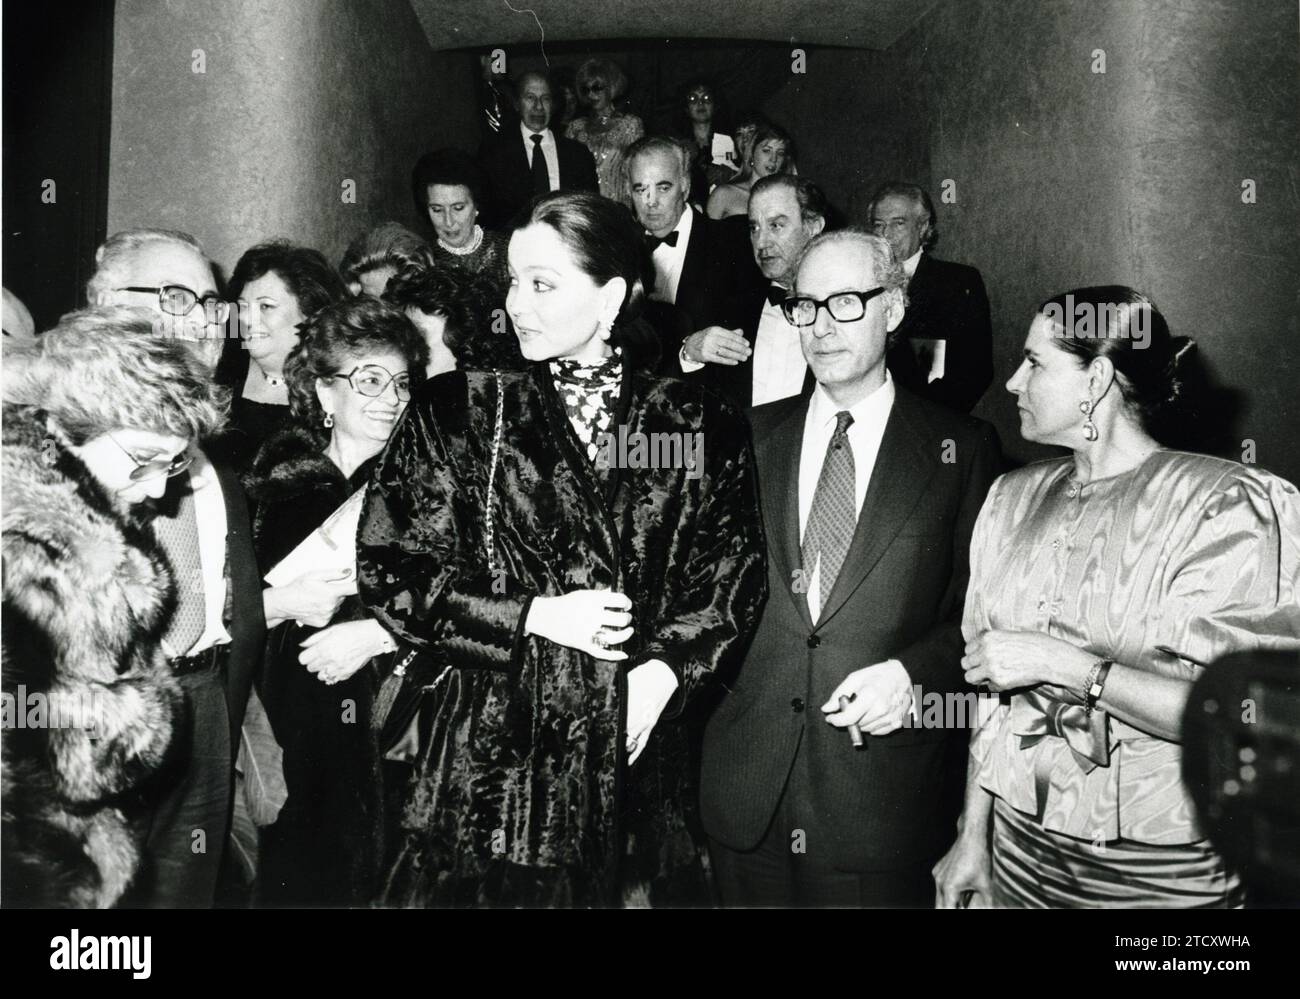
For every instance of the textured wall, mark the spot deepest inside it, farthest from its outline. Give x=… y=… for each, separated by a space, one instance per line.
x=296 y=98
x=1067 y=177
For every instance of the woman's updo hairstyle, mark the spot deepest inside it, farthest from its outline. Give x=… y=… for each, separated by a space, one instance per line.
x=606 y=243
x=1122 y=325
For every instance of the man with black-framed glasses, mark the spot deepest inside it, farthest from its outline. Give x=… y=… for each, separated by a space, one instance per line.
x=812 y=791
x=214 y=638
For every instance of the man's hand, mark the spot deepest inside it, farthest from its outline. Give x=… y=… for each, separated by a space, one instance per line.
x=338 y=651
x=715 y=345
x=311 y=599
x=879 y=698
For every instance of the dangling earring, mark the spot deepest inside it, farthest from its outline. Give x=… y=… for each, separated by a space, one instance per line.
x=1090 y=432
x=329 y=420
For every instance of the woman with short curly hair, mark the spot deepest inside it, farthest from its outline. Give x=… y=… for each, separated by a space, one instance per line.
x=605 y=130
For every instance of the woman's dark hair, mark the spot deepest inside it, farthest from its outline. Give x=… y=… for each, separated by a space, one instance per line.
x=466 y=301
x=454 y=167
x=606 y=243
x=721 y=117
x=337 y=335
x=310 y=279
x=1122 y=325
x=386 y=245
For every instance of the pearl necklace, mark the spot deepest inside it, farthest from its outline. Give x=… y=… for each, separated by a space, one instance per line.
x=462 y=251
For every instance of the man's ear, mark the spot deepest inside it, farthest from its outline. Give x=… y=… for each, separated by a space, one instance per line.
x=816 y=226
x=893 y=308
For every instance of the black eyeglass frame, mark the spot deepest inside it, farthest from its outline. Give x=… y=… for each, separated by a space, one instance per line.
x=863 y=297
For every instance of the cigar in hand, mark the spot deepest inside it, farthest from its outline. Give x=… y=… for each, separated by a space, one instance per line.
x=855 y=733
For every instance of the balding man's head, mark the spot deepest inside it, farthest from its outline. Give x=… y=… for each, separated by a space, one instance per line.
x=535 y=100
x=162 y=271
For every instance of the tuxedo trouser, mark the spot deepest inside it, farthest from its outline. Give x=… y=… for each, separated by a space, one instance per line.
x=788 y=869
x=187 y=834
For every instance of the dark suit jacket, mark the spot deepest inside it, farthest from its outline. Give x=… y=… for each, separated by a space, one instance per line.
x=709 y=291
x=509 y=175
x=899 y=596
x=247 y=619
x=736 y=382
x=946 y=301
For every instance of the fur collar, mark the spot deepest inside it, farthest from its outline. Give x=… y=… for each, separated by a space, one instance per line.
x=290 y=463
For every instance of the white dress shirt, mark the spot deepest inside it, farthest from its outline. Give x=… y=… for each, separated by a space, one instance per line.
x=668 y=260
x=869 y=418
x=548 y=150
x=210 y=512
x=779 y=365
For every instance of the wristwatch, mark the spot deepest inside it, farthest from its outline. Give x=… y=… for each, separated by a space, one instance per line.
x=1096 y=682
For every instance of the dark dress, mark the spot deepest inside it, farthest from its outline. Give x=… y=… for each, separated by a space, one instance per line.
x=326 y=847
x=523 y=795
x=249 y=426
x=489 y=259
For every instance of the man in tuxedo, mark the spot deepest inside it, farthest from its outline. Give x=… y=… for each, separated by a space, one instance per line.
x=762 y=361
x=869 y=496
x=216 y=634
x=520 y=162
x=698 y=263
x=944 y=349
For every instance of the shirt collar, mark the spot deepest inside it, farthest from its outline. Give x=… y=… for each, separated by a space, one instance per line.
x=874 y=409
x=529 y=133
x=909 y=265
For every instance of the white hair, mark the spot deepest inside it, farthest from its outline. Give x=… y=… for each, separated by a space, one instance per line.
x=112 y=259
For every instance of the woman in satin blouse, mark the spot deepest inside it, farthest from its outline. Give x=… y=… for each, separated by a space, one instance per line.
x=603 y=129
x=1102 y=584
x=577 y=599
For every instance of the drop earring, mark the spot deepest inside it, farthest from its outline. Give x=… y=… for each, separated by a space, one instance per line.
x=329 y=420
x=1090 y=432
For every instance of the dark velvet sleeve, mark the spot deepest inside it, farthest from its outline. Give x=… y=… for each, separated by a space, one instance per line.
x=724 y=583
x=421 y=563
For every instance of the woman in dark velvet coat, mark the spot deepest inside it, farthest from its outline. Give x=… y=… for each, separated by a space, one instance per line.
x=318 y=684
x=575 y=603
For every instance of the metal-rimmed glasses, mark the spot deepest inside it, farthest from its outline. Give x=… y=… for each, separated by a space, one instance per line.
x=843 y=306
x=151 y=469
x=177 y=300
x=372 y=380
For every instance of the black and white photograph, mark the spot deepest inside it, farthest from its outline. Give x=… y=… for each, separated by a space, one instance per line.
x=586 y=455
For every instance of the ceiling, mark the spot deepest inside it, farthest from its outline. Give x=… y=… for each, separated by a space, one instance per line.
x=872 y=24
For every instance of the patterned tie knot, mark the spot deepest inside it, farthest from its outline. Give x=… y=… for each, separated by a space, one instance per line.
x=843 y=420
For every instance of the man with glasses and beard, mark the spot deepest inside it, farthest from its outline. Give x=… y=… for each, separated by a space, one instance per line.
x=215 y=636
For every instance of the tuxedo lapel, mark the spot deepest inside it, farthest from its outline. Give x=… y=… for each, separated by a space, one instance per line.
x=693 y=264
x=781 y=504
x=904 y=467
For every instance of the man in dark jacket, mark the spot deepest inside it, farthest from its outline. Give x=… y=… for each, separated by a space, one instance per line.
x=944 y=347
x=524 y=160
x=869 y=496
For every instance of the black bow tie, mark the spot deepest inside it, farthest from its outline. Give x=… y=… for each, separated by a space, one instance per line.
x=776 y=294
x=652 y=241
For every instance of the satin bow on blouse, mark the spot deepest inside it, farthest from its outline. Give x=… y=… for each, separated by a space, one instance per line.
x=1037 y=715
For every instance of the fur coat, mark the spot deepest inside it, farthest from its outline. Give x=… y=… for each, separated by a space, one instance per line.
x=87 y=596
x=524 y=795
x=326 y=847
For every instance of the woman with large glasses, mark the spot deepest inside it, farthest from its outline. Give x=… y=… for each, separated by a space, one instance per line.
x=605 y=130
x=99 y=413
x=702 y=117
x=277 y=286
x=578 y=594
x=349 y=382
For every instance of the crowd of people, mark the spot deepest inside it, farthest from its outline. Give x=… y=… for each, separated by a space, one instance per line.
x=378 y=603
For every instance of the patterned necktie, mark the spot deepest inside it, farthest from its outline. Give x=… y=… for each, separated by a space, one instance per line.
x=541 y=175
x=179 y=537
x=834 y=515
